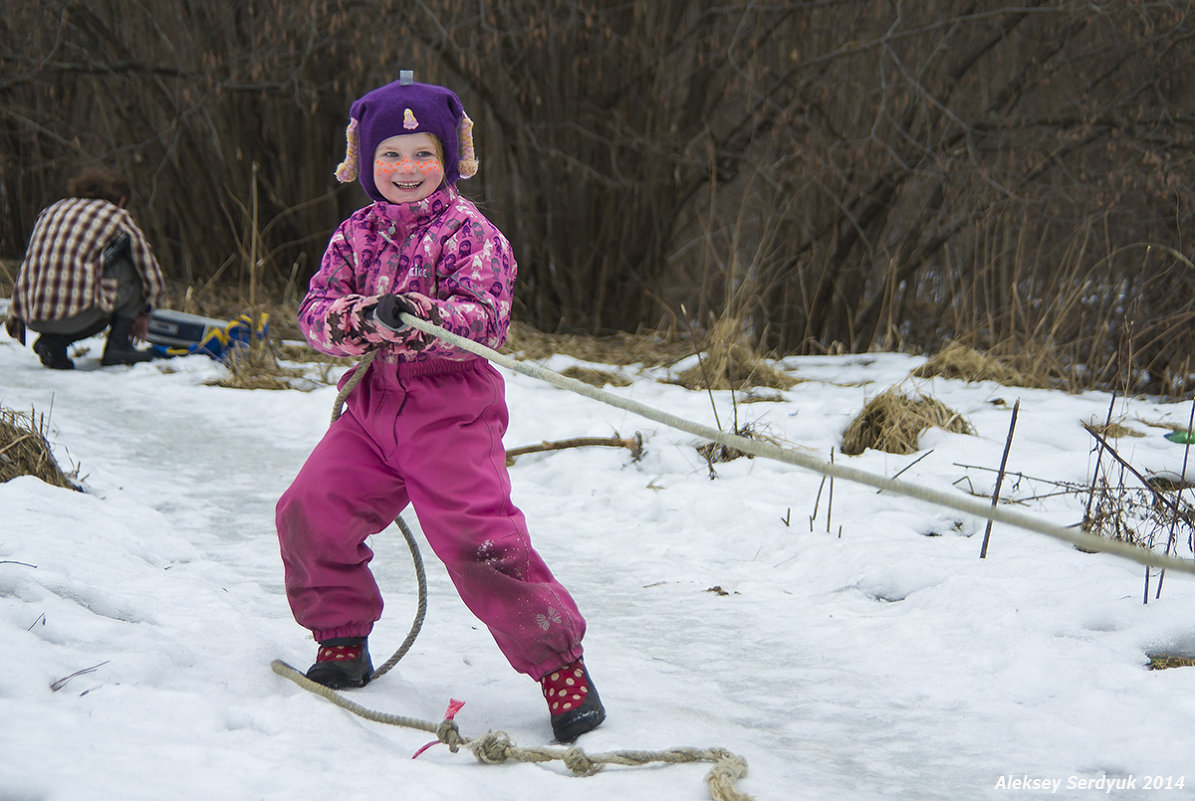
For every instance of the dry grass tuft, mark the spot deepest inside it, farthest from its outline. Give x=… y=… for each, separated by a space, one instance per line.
x=716 y=452
x=768 y=397
x=650 y=350
x=735 y=367
x=305 y=354
x=1166 y=661
x=1114 y=430
x=256 y=367
x=24 y=450
x=730 y=363
x=893 y=422
x=959 y=361
x=596 y=378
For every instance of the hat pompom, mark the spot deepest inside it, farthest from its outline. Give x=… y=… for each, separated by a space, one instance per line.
x=468 y=165
x=347 y=170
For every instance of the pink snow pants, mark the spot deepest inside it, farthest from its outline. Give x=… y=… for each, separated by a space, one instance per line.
x=428 y=434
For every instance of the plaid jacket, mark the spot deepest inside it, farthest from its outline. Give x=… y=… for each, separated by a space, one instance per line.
x=62 y=273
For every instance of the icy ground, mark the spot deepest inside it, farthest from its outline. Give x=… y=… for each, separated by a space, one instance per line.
x=878 y=659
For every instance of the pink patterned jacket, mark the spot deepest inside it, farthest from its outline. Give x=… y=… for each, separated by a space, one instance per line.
x=440 y=252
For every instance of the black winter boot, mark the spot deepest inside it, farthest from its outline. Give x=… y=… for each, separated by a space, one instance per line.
x=51 y=349
x=119 y=348
x=573 y=702
x=342 y=662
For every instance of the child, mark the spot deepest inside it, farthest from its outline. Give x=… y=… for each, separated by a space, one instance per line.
x=425 y=424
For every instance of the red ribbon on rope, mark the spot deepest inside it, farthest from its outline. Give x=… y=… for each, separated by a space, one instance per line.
x=454 y=706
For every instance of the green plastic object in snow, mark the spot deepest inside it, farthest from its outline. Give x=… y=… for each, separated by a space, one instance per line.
x=1182 y=437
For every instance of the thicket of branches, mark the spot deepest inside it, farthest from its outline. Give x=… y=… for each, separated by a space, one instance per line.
x=822 y=174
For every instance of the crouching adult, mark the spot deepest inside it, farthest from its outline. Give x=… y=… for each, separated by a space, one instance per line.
x=88 y=267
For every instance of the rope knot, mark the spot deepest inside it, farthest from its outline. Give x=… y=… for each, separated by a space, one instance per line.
x=492 y=747
x=579 y=763
x=449 y=734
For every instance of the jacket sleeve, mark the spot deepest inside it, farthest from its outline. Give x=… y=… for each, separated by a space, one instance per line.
x=475 y=283
x=334 y=316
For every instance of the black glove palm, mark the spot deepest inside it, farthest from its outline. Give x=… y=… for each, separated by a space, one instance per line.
x=389 y=307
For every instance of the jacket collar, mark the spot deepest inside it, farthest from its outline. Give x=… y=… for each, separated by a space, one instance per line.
x=401 y=218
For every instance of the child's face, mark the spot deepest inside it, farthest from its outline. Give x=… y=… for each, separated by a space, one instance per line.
x=408 y=167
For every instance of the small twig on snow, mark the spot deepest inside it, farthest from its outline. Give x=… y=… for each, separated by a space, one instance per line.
x=901 y=471
x=633 y=444
x=58 y=685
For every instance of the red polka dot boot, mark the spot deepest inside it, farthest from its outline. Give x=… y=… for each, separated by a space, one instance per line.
x=573 y=702
x=342 y=662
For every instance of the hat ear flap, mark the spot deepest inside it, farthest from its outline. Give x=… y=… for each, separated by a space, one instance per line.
x=468 y=165
x=347 y=170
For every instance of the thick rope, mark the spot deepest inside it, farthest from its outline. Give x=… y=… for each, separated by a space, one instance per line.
x=767 y=450
x=358 y=373
x=286 y=671
x=495 y=747
x=420 y=611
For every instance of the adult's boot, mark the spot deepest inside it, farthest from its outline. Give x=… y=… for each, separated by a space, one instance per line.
x=51 y=349
x=119 y=347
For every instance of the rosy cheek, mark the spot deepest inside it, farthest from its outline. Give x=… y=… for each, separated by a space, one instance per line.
x=386 y=167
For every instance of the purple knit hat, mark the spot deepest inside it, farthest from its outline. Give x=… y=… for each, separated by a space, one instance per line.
x=406 y=107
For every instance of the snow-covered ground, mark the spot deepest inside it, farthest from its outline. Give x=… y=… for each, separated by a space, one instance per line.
x=879 y=659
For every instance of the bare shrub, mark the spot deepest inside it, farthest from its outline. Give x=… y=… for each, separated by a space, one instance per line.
x=1148 y=511
x=1126 y=511
x=839 y=176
